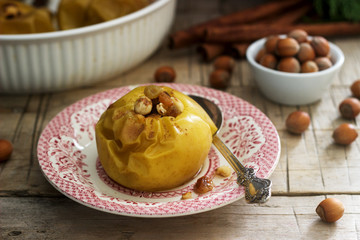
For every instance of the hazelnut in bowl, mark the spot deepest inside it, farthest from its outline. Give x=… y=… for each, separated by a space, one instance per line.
x=294 y=71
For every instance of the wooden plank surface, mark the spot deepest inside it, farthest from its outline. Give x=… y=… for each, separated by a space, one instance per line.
x=279 y=218
x=311 y=166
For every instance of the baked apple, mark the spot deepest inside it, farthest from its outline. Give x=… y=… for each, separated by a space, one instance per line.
x=21 y=18
x=80 y=13
x=153 y=138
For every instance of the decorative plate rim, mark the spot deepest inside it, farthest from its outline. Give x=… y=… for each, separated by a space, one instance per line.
x=203 y=204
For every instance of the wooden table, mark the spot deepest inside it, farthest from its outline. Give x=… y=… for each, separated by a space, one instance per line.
x=311 y=166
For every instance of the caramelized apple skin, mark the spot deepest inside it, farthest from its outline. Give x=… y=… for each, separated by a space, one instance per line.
x=79 y=13
x=153 y=152
x=20 y=18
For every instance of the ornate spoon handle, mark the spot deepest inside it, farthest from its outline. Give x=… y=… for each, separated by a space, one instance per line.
x=257 y=190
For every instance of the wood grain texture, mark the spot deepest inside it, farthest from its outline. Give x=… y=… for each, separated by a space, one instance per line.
x=294 y=218
x=311 y=166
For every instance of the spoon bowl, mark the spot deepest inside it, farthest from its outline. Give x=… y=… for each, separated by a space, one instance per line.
x=257 y=190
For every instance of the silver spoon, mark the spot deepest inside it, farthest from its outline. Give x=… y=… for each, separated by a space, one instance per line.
x=257 y=190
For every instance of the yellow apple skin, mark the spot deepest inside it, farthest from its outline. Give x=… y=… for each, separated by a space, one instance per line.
x=79 y=13
x=153 y=153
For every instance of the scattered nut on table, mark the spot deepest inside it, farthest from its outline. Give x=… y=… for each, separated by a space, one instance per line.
x=219 y=78
x=6 y=149
x=297 y=122
x=349 y=108
x=165 y=74
x=224 y=62
x=330 y=210
x=345 y=134
x=355 y=88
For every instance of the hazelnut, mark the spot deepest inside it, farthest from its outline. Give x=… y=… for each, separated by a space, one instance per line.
x=323 y=63
x=271 y=42
x=330 y=210
x=224 y=62
x=355 y=88
x=309 y=66
x=224 y=171
x=6 y=149
x=203 y=185
x=269 y=61
x=299 y=35
x=152 y=91
x=219 y=78
x=297 y=122
x=289 y=64
x=320 y=45
x=350 y=108
x=143 y=105
x=287 y=47
x=260 y=54
x=165 y=74
x=161 y=109
x=306 y=52
x=344 y=134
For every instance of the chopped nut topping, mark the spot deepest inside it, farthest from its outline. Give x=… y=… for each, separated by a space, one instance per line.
x=161 y=109
x=224 y=171
x=158 y=101
x=143 y=105
x=187 y=195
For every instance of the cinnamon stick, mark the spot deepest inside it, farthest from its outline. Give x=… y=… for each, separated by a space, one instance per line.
x=194 y=34
x=291 y=16
x=210 y=51
x=247 y=33
x=238 y=50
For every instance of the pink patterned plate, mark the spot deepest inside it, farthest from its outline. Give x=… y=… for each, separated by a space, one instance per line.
x=68 y=157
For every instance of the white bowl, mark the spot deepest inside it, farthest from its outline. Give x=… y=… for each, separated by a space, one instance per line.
x=293 y=88
x=62 y=60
